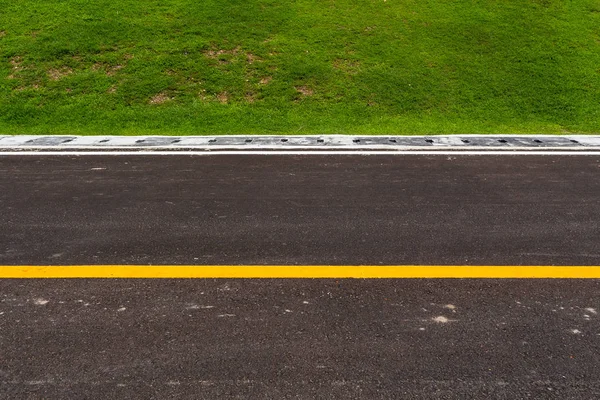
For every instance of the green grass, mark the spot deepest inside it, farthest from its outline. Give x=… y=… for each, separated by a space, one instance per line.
x=299 y=66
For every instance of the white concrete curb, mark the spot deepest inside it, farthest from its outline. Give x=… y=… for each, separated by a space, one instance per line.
x=291 y=143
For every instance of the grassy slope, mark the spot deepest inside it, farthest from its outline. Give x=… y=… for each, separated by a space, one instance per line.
x=299 y=66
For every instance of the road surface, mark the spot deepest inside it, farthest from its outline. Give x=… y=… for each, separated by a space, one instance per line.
x=300 y=338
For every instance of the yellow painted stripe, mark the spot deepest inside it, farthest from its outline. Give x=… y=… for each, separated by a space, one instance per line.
x=287 y=271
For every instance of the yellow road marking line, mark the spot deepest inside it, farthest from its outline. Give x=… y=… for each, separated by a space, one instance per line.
x=293 y=271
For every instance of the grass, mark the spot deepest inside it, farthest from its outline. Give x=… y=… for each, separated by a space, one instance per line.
x=299 y=66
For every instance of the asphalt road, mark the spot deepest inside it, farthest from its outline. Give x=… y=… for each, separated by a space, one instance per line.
x=415 y=339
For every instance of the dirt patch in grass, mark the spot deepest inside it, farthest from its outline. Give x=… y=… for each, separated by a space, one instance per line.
x=250 y=97
x=214 y=54
x=266 y=80
x=15 y=62
x=252 y=58
x=305 y=90
x=57 y=74
x=113 y=70
x=235 y=54
x=223 y=97
x=2 y=34
x=160 y=98
x=24 y=88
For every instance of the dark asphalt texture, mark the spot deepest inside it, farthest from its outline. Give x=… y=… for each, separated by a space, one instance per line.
x=504 y=210
x=300 y=339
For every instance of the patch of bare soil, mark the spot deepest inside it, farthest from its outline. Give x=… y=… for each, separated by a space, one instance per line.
x=35 y=86
x=250 y=97
x=304 y=90
x=57 y=74
x=235 y=54
x=113 y=70
x=252 y=58
x=160 y=98
x=223 y=97
x=266 y=80
x=214 y=54
x=15 y=62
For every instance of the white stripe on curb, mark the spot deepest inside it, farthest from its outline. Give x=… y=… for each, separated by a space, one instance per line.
x=309 y=142
x=302 y=153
